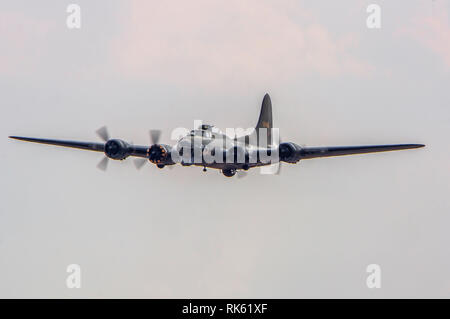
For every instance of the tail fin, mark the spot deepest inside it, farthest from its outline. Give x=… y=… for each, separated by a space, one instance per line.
x=265 y=119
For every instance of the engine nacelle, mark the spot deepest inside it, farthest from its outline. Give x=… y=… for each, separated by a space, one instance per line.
x=117 y=149
x=289 y=152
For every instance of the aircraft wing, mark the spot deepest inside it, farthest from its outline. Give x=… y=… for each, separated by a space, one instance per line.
x=314 y=152
x=135 y=150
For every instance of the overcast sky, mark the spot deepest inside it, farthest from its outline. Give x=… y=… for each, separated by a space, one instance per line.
x=309 y=232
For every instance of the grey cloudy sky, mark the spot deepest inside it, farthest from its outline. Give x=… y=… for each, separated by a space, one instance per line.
x=309 y=232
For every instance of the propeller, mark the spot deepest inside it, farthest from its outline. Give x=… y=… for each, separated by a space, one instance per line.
x=139 y=162
x=103 y=164
x=241 y=174
x=154 y=136
x=279 y=168
x=110 y=146
x=154 y=139
x=104 y=135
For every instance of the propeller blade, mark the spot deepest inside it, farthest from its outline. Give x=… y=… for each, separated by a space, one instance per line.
x=103 y=133
x=241 y=174
x=139 y=162
x=154 y=136
x=103 y=164
x=280 y=140
x=279 y=168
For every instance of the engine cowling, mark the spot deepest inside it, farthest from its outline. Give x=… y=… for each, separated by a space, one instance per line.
x=159 y=154
x=117 y=149
x=289 y=152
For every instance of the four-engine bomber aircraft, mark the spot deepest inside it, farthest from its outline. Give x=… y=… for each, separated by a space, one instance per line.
x=207 y=147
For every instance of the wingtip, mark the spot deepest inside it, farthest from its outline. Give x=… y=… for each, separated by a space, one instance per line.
x=414 y=145
x=19 y=138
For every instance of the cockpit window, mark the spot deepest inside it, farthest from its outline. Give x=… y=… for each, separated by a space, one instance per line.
x=205 y=127
x=207 y=134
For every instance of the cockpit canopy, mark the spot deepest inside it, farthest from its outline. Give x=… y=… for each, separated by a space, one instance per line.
x=206 y=127
x=204 y=130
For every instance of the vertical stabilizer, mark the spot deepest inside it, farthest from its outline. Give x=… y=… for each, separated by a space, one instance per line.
x=265 y=118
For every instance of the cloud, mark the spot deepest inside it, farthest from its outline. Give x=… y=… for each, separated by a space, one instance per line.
x=22 y=38
x=223 y=41
x=432 y=32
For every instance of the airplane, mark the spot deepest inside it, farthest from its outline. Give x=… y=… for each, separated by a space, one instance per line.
x=210 y=148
